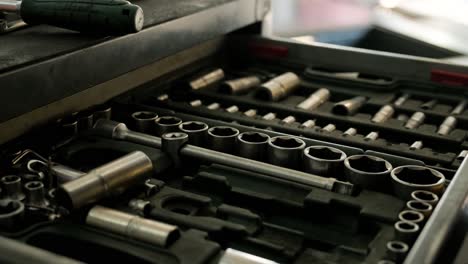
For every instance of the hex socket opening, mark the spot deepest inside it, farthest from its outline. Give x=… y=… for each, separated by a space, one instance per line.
x=412 y=216
x=418 y=205
x=368 y=164
x=418 y=175
x=325 y=153
x=425 y=196
x=168 y=121
x=223 y=131
x=9 y=179
x=264 y=94
x=254 y=137
x=404 y=226
x=34 y=185
x=193 y=126
x=175 y=135
x=144 y=115
x=287 y=142
x=397 y=246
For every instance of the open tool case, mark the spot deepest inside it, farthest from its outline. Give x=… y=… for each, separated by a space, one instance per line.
x=71 y=192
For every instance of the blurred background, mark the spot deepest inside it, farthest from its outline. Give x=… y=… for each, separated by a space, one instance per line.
x=429 y=28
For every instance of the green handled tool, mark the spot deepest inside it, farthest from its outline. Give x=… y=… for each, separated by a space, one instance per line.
x=105 y=16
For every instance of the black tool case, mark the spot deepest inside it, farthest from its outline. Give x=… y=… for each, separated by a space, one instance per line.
x=206 y=207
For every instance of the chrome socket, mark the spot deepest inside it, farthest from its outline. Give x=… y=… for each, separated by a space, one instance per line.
x=422 y=207
x=425 y=196
x=279 y=87
x=167 y=124
x=367 y=171
x=416 y=145
x=315 y=100
x=401 y=100
x=385 y=113
x=409 y=178
x=406 y=231
x=132 y=226
x=222 y=138
x=285 y=151
x=459 y=108
x=144 y=121
x=350 y=106
x=429 y=105
x=350 y=132
x=35 y=194
x=416 y=120
x=462 y=155
x=324 y=161
x=107 y=180
x=102 y=112
x=65 y=174
x=308 y=124
x=12 y=188
x=196 y=132
x=240 y=86
x=412 y=216
x=397 y=251
x=253 y=145
x=447 y=126
x=207 y=79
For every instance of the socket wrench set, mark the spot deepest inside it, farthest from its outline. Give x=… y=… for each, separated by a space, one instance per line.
x=243 y=159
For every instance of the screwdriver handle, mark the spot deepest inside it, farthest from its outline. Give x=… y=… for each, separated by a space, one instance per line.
x=107 y=16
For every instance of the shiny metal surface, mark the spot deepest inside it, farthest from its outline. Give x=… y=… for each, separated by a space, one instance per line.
x=288 y=120
x=349 y=106
x=419 y=206
x=279 y=87
x=315 y=100
x=285 y=151
x=372 y=136
x=409 y=178
x=425 y=196
x=457 y=110
x=35 y=194
x=447 y=126
x=401 y=100
x=132 y=226
x=253 y=145
x=308 y=124
x=329 y=128
x=232 y=256
x=412 y=216
x=196 y=103
x=415 y=120
x=10 y=6
x=65 y=174
x=102 y=112
x=406 y=231
x=251 y=113
x=166 y=124
x=269 y=116
x=397 y=250
x=196 y=131
x=207 y=79
x=417 y=145
x=232 y=109
x=240 y=85
x=12 y=188
x=222 y=138
x=367 y=171
x=350 y=132
x=323 y=161
x=213 y=106
x=144 y=121
x=385 y=113
x=11 y=214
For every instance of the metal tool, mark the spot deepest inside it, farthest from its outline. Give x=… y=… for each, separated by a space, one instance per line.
x=38 y=168
x=329 y=128
x=409 y=178
x=458 y=110
x=411 y=216
x=406 y=231
x=429 y=104
x=64 y=174
x=12 y=187
x=385 y=113
x=279 y=87
x=206 y=80
x=196 y=131
x=350 y=106
x=116 y=17
x=288 y=120
x=232 y=109
x=196 y=103
x=213 y=106
x=240 y=85
x=372 y=136
x=315 y=100
x=222 y=138
x=350 y=132
x=232 y=256
x=416 y=145
x=462 y=155
x=323 y=161
x=253 y=145
x=132 y=226
x=447 y=126
x=402 y=99
x=35 y=194
x=144 y=121
x=166 y=124
x=107 y=180
x=415 y=120
x=397 y=250
x=102 y=112
x=270 y=116
x=308 y=124
x=425 y=196
x=120 y=131
x=85 y=120
x=385 y=261
x=251 y=113
x=419 y=206
x=285 y=151
x=367 y=171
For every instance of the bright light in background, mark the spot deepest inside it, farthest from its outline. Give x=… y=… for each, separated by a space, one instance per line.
x=389 y=3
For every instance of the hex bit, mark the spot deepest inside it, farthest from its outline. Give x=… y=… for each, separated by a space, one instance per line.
x=232 y=109
x=270 y=116
x=329 y=128
x=415 y=120
x=350 y=132
x=315 y=100
x=416 y=145
x=459 y=108
x=350 y=106
x=372 y=136
x=308 y=124
x=385 y=113
x=213 y=106
x=196 y=103
x=447 y=126
x=288 y=120
x=119 y=131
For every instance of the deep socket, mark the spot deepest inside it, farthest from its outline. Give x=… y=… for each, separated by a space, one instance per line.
x=397 y=250
x=415 y=120
x=324 y=161
x=447 y=126
x=411 y=216
x=11 y=187
x=107 y=180
x=240 y=85
x=132 y=226
x=206 y=79
x=429 y=104
x=385 y=113
x=406 y=231
x=350 y=132
x=350 y=106
x=459 y=108
x=279 y=87
x=222 y=138
x=102 y=112
x=425 y=196
x=419 y=206
x=166 y=124
x=367 y=171
x=35 y=194
x=416 y=145
x=252 y=145
x=401 y=100
x=409 y=178
x=144 y=121
x=308 y=124
x=315 y=100
x=196 y=131
x=285 y=151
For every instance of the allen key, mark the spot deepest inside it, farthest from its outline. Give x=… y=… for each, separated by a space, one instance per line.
x=174 y=144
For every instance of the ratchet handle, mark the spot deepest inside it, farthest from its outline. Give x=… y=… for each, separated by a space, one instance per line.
x=105 y=16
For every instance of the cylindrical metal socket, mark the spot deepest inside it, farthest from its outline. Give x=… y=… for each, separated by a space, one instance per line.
x=367 y=171
x=416 y=145
x=411 y=216
x=213 y=106
x=285 y=151
x=167 y=124
x=324 y=161
x=372 y=136
x=308 y=124
x=195 y=103
x=425 y=196
x=447 y=126
x=415 y=120
x=459 y=108
x=206 y=79
x=65 y=174
x=240 y=86
x=329 y=128
x=196 y=131
x=102 y=112
x=406 y=231
x=251 y=113
x=350 y=106
x=397 y=250
x=422 y=207
x=270 y=116
x=222 y=138
x=253 y=145
x=232 y=256
x=288 y=120
x=232 y=109
x=401 y=100
x=350 y=132
x=144 y=121
x=315 y=100
x=35 y=194
x=279 y=87
x=132 y=226
x=11 y=187
x=11 y=214
x=85 y=120
x=429 y=104
x=409 y=178
x=107 y=180
x=385 y=113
